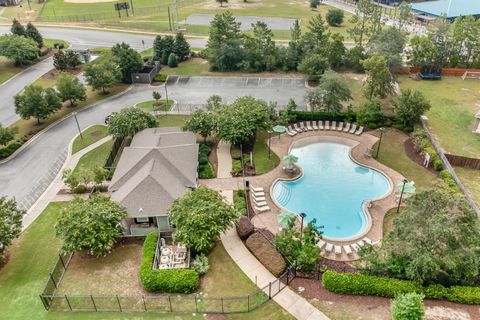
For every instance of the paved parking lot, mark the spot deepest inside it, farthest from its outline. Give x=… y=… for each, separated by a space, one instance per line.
x=201 y=19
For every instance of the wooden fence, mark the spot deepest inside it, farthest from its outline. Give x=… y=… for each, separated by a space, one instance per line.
x=448 y=72
x=465 y=162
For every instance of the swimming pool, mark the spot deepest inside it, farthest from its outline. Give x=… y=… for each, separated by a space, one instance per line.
x=332 y=189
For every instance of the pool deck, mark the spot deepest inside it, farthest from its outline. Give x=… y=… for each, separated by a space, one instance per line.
x=281 y=147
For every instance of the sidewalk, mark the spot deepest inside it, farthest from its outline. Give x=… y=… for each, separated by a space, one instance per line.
x=50 y=193
x=297 y=306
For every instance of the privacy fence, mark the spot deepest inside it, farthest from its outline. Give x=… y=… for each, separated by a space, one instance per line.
x=465 y=162
x=154 y=303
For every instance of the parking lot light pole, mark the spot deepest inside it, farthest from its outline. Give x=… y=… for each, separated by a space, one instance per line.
x=382 y=129
x=78 y=125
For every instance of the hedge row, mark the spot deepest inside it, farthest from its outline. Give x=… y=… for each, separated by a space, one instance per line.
x=205 y=169
x=422 y=145
x=365 y=285
x=350 y=116
x=7 y=151
x=169 y=280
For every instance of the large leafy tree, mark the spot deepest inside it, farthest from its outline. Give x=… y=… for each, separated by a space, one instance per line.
x=201 y=122
x=370 y=112
x=336 y=51
x=379 y=79
x=91 y=224
x=32 y=32
x=7 y=134
x=313 y=66
x=60 y=60
x=128 y=60
x=102 y=75
x=200 y=217
x=239 y=121
x=181 y=47
x=20 y=49
x=10 y=223
x=37 y=102
x=334 y=17
x=336 y=91
x=366 y=22
x=389 y=43
x=260 y=49
x=70 y=88
x=314 y=98
x=422 y=51
x=409 y=106
x=128 y=121
x=435 y=239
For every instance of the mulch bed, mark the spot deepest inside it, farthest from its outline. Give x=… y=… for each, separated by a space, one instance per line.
x=415 y=157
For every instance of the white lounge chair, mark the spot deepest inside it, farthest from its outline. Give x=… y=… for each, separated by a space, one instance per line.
x=256 y=189
x=291 y=133
x=340 y=126
x=302 y=126
x=261 y=203
x=320 y=125
x=309 y=126
x=258 y=194
x=297 y=128
x=327 y=125
x=338 y=250
x=347 y=249
x=359 y=131
x=262 y=209
x=370 y=242
x=321 y=244
x=314 y=125
x=258 y=199
x=361 y=243
x=329 y=247
x=353 y=129
x=334 y=125
x=355 y=247
x=347 y=127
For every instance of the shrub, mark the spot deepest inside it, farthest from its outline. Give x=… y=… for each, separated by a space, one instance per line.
x=266 y=253
x=240 y=202
x=200 y=264
x=408 y=306
x=334 y=17
x=320 y=115
x=438 y=164
x=160 y=77
x=10 y=149
x=206 y=171
x=436 y=291
x=172 y=60
x=466 y=295
x=245 y=228
x=169 y=280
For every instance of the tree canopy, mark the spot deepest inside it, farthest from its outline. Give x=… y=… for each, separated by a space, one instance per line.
x=379 y=79
x=102 y=75
x=10 y=223
x=336 y=91
x=389 y=43
x=32 y=32
x=7 y=134
x=20 y=49
x=410 y=106
x=128 y=121
x=200 y=217
x=70 y=88
x=37 y=102
x=128 y=60
x=201 y=122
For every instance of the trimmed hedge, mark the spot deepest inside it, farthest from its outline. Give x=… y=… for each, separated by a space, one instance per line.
x=319 y=115
x=239 y=201
x=266 y=253
x=361 y=284
x=169 y=280
x=205 y=169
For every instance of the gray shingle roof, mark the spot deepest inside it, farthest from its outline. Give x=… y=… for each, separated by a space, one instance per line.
x=157 y=168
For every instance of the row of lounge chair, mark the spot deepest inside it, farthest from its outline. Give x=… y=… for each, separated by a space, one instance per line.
x=348 y=248
x=304 y=126
x=259 y=200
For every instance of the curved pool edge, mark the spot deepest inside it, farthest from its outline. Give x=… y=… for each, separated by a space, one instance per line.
x=351 y=144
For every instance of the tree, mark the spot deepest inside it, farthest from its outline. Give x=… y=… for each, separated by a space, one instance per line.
x=336 y=91
x=313 y=66
x=181 y=47
x=222 y=2
x=102 y=75
x=20 y=49
x=370 y=113
x=10 y=223
x=224 y=46
x=214 y=102
x=314 y=4
x=336 y=51
x=314 y=98
x=32 y=33
x=379 y=81
x=7 y=134
x=168 y=44
x=354 y=58
x=389 y=43
x=72 y=59
x=128 y=121
x=128 y=60
x=200 y=216
x=260 y=49
x=422 y=51
x=433 y=240
x=172 y=60
x=366 y=21
x=201 y=122
x=404 y=14
x=37 y=102
x=70 y=88
x=239 y=121
x=295 y=49
x=408 y=306
x=60 y=60
x=334 y=17
x=90 y=224
x=157 y=96
x=17 y=28
x=315 y=40
x=409 y=106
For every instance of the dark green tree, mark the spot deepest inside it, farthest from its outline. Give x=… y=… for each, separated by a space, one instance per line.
x=379 y=81
x=70 y=88
x=336 y=51
x=60 y=60
x=102 y=75
x=222 y=2
x=128 y=60
x=10 y=223
x=168 y=44
x=370 y=113
x=315 y=40
x=313 y=66
x=389 y=43
x=295 y=48
x=172 y=60
x=32 y=33
x=181 y=47
x=260 y=49
x=17 y=28
x=7 y=134
x=314 y=4
x=20 y=49
x=410 y=106
x=366 y=22
x=336 y=91
x=354 y=58
x=37 y=102
x=201 y=122
x=334 y=17
x=128 y=121
x=72 y=59
x=158 y=47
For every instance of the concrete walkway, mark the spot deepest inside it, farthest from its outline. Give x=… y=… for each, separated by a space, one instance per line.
x=50 y=193
x=297 y=306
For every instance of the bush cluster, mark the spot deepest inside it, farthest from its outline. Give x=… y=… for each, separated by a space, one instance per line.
x=422 y=145
x=266 y=253
x=360 y=284
x=349 y=116
x=239 y=201
x=237 y=164
x=245 y=228
x=169 y=280
x=160 y=77
x=12 y=147
x=205 y=169
x=200 y=264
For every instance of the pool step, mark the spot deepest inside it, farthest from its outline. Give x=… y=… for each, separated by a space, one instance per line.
x=284 y=195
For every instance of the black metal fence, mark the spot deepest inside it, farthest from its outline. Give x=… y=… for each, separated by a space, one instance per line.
x=154 y=303
x=117 y=145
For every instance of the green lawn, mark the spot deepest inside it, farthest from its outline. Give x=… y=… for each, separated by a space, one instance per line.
x=471 y=180
x=96 y=157
x=172 y=120
x=260 y=155
x=90 y=136
x=150 y=105
x=191 y=67
x=451 y=118
x=392 y=154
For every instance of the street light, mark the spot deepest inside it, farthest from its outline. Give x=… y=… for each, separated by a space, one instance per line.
x=382 y=129
x=401 y=194
x=78 y=125
x=269 y=139
x=302 y=215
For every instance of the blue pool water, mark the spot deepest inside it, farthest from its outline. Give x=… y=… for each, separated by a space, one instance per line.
x=332 y=189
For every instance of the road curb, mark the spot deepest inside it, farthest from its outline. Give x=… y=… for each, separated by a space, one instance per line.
x=37 y=135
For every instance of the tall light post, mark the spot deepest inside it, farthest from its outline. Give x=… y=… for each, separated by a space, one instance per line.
x=269 y=140
x=401 y=194
x=382 y=129
x=78 y=125
x=302 y=215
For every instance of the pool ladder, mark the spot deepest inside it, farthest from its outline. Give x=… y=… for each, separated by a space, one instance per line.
x=284 y=195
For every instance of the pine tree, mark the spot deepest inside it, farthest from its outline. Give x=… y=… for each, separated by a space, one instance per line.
x=17 y=28
x=72 y=59
x=60 y=60
x=172 y=60
x=32 y=32
x=164 y=59
x=158 y=48
x=181 y=47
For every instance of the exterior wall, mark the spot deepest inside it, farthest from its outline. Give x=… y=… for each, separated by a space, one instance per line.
x=146 y=77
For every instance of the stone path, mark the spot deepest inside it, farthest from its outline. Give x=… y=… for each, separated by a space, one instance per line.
x=297 y=306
